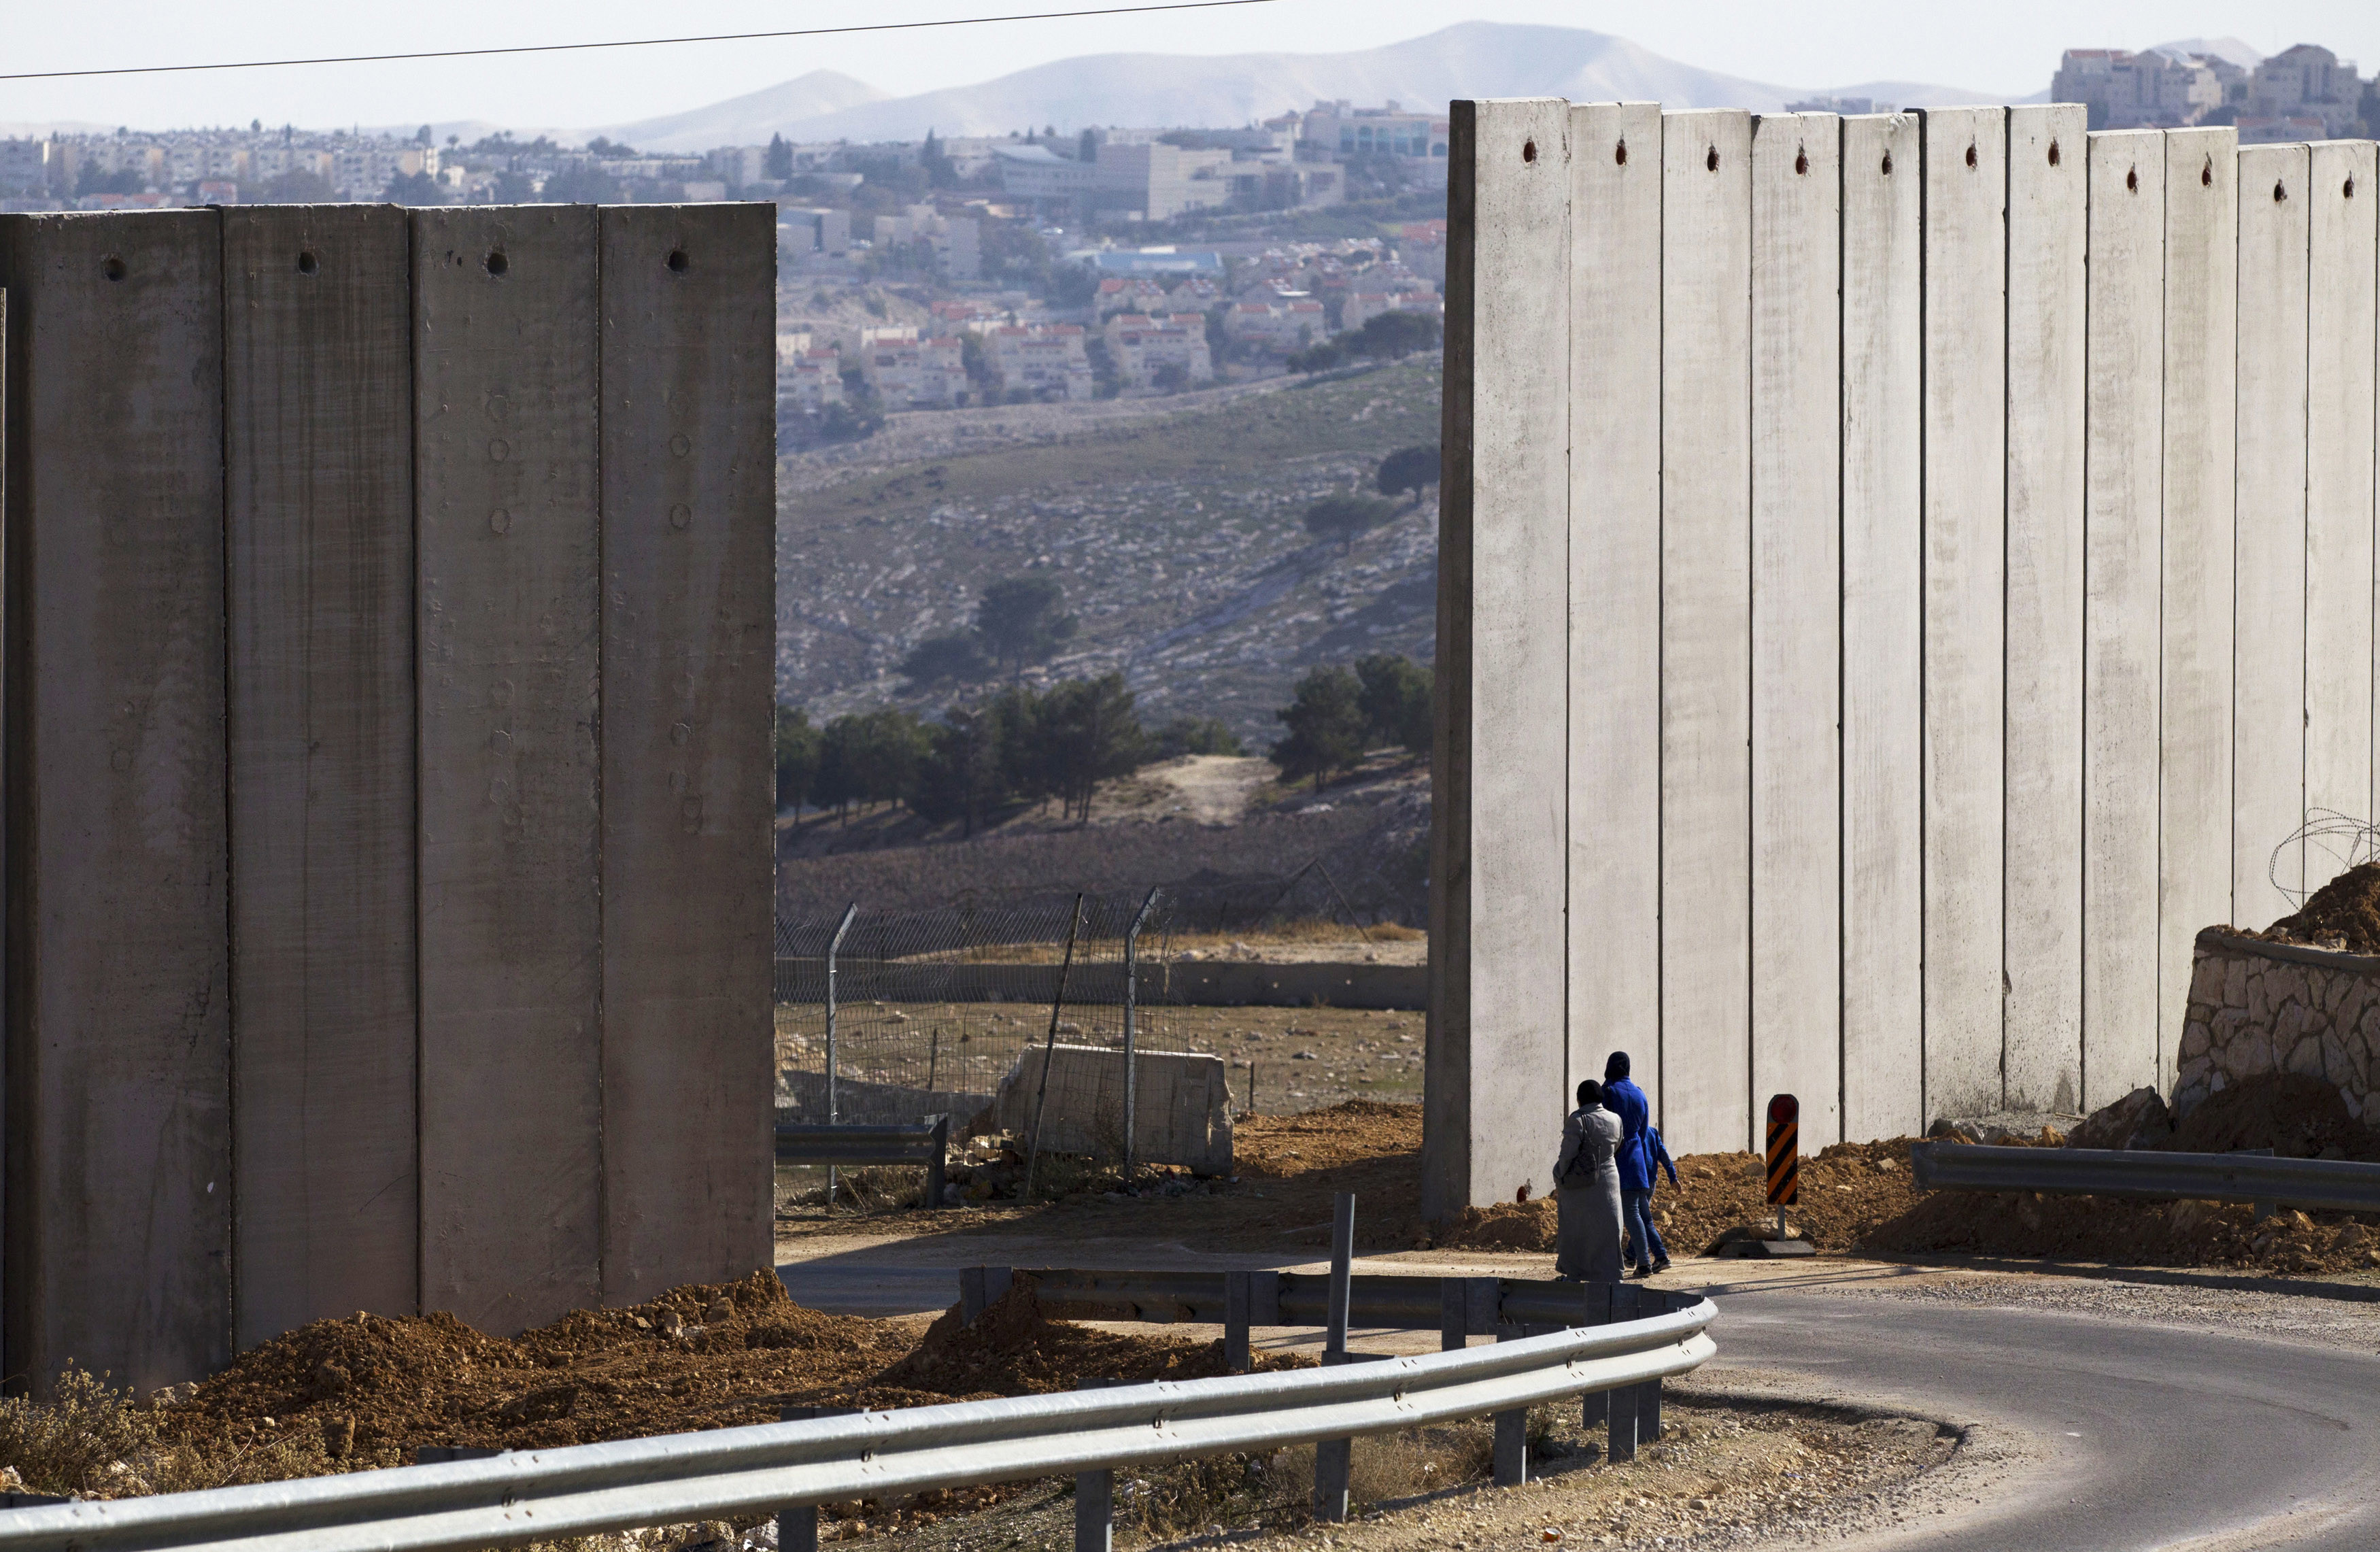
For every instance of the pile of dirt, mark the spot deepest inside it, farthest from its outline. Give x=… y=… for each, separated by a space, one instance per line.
x=2295 y=1115
x=2343 y=914
x=374 y=1389
x=1014 y=1350
x=2026 y=1226
x=1847 y=1190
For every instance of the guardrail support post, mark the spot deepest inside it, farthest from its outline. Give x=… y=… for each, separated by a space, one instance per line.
x=1595 y=1309
x=1620 y=1427
x=1511 y=1453
x=1454 y=1314
x=1094 y=1511
x=798 y=1528
x=980 y=1289
x=1333 y=1460
x=1239 y=1301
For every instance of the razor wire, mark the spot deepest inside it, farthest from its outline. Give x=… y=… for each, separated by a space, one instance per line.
x=2341 y=840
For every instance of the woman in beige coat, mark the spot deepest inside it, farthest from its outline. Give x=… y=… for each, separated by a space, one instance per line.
x=1586 y=1192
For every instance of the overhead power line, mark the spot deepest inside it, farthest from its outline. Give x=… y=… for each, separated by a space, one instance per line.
x=627 y=43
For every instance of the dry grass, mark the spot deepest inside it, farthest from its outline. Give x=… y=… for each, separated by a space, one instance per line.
x=89 y=1439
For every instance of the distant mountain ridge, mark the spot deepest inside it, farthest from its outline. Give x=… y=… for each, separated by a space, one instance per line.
x=1469 y=59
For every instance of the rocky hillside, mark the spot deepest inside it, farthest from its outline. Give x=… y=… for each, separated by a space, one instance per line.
x=1175 y=533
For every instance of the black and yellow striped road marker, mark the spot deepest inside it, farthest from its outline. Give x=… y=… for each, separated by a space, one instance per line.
x=1784 y=1155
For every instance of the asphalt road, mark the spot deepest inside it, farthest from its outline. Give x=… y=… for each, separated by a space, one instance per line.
x=2111 y=1433
x=2140 y=1436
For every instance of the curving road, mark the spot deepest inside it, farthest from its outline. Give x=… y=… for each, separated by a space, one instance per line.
x=2141 y=1436
x=2095 y=1433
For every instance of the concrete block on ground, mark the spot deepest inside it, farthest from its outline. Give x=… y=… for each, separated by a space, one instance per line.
x=119 y=1177
x=1182 y=1104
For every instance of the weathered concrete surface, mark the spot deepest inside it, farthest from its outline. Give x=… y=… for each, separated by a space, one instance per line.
x=689 y=627
x=2041 y=1037
x=119 y=1168
x=317 y=386
x=1965 y=581
x=1796 y=656
x=511 y=909
x=2269 y=557
x=2202 y=266
x=1615 y=588
x=1883 y=909
x=1498 y=842
x=2124 y=404
x=2258 y=1007
x=1182 y=1112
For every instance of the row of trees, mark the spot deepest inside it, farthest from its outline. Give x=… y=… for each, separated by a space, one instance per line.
x=1018 y=746
x=1386 y=336
x=1021 y=746
x=1336 y=715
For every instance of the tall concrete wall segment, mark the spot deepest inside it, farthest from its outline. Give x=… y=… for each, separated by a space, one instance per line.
x=689 y=791
x=1496 y=1073
x=345 y=951
x=2010 y=505
x=318 y=480
x=120 y=1014
x=512 y=923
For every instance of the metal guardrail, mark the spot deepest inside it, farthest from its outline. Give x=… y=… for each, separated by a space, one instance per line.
x=851 y=1146
x=2325 y=1184
x=585 y=1489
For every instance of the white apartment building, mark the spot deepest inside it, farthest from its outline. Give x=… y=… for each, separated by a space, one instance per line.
x=25 y=168
x=914 y=373
x=956 y=239
x=2305 y=82
x=2158 y=89
x=1278 y=326
x=1157 y=182
x=810 y=377
x=1046 y=359
x=802 y=231
x=1362 y=307
x=1144 y=347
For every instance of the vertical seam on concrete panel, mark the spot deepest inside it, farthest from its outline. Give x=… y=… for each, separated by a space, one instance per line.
x=1569 y=540
x=2008 y=264
x=1751 y=670
x=413 y=623
x=1660 y=627
x=602 y=920
x=231 y=841
x=2082 y=702
x=1924 y=479
x=1842 y=604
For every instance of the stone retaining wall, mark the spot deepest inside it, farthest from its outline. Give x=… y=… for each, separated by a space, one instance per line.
x=2258 y=1007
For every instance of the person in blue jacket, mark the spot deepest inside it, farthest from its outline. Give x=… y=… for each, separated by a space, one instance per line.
x=1640 y=1154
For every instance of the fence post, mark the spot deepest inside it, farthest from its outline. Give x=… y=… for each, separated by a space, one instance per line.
x=934 y=1165
x=1131 y=987
x=1510 y=1457
x=1621 y=1430
x=850 y=915
x=1049 y=1049
x=1239 y=1310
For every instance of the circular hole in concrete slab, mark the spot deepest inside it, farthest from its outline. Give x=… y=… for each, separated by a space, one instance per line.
x=112 y=267
x=496 y=262
x=1710 y=160
x=308 y=265
x=2132 y=180
x=677 y=260
x=1528 y=151
x=1619 y=155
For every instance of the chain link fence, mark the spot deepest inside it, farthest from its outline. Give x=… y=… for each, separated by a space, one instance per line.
x=1047 y=1020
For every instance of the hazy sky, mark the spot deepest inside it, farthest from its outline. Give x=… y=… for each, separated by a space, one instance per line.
x=2000 y=46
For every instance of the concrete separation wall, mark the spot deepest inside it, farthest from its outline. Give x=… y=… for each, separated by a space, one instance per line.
x=1197 y=984
x=387 y=892
x=1941 y=583
x=2258 y=1008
